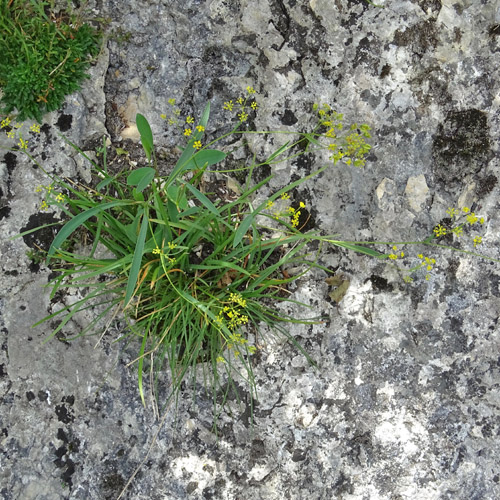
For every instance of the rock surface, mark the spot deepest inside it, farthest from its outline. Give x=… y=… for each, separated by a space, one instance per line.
x=405 y=400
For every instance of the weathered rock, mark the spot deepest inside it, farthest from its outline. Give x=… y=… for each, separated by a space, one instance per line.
x=404 y=402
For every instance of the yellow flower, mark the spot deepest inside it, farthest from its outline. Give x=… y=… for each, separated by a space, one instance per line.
x=10 y=134
x=190 y=120
x=240 y=100
x=22 y=143
x=197 y=145
x=171 y=245
x=440 y=230
x=238 y=299
x=171 y=102
x=302 y=204
x=243 y=116
x=269 y=204
x=393 y=256
x=5 y=122
x=200 y=128
x=35 y=128
x=477 y=241
x=228 y=105
x=465 y=210
x=60 y=197
x=254 y=105
x=44 y=206
x=187 y=132
x=157 y=251
x=452 y=212
x=250 y=90
x=285 y=196
x=163 y=116
x=471 y=218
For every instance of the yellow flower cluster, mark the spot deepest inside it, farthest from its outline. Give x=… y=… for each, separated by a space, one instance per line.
x=243 y=103
x=58 y=197
x=426 y=263
x=188 y=129
x=395 y=256
x=293 y=213
x=13 y=127
x=161 y=253
x=351 y=149
x=470 y=218
x=231 y=315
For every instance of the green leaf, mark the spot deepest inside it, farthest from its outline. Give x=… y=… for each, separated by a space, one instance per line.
x=278 y=152
x=139 y=367
x=146 y=134
x=141 y=178
x=361 y=249
x=104 y=183
x=204 y=117
x=203 y=199
x=136 y=261
x=77 y=221
x=243 y=228
x=205 y=157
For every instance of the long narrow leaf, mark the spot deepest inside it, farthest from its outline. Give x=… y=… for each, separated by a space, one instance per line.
x=146 y=134
x=136 y=261
x=203 y=199
x=77 y=221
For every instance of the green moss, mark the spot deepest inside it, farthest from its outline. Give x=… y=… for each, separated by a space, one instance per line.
x=44 y=57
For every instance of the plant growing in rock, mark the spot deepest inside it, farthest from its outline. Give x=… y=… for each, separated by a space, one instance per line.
x=194 y=275
x=44 y=57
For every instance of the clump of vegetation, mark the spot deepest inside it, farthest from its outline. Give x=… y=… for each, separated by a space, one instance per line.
x=199 y=277
x=195 y=276
x=44 y=57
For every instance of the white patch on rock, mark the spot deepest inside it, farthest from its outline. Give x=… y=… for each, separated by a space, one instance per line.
x=417 y=192
x=385 y=192
x=402 y=430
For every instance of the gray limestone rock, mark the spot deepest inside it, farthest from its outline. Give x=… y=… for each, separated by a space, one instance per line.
x=404 y=402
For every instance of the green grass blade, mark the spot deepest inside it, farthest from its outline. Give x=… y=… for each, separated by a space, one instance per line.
x=139 y=368
x=146 y=134
x=203 y=199
x=77 y=221
x=136 y=261
x=361 y=249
